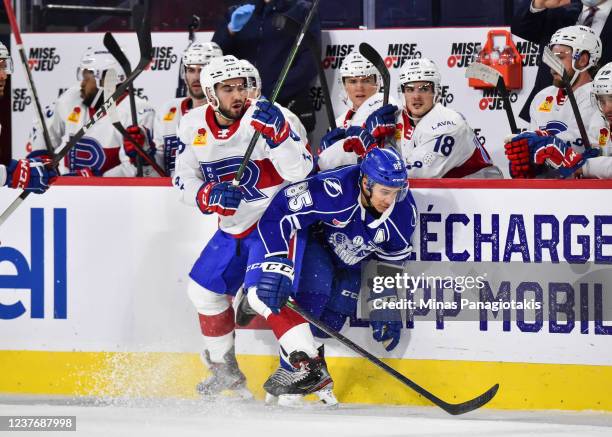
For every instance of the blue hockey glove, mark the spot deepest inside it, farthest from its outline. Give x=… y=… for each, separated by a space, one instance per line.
x=220 y=197
x=276 y=282
x=269 y=120
x=381 y=123
x=388 y=333
x=332 y=137
x=240 y=17
x=29 y=175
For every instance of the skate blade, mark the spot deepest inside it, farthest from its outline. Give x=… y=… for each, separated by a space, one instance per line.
x=326 y=399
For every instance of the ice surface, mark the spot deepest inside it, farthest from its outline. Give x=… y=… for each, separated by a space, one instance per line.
x=169 y=418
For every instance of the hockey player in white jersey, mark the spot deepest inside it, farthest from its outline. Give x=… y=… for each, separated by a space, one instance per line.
x=169 y=115
x=360 y=82
x=214 y=138
x=101 y=151
x=253 y=77
x=25 y=174
x=435 y=141
x=529 y=149
x=579 y=48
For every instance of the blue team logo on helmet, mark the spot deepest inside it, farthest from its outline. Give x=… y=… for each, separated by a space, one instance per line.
x=385 y=167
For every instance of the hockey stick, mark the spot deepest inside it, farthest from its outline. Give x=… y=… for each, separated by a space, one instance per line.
x=276 y=91
x=181 y=89
x=144 y=42
x=24 y=61
x=289 y=25
x=454 y=409
x=491 y=75
x=557 y=66
x=110 y=82
x=370 y=53
x=113 y=47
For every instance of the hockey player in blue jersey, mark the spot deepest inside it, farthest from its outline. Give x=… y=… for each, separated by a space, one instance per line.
x=348 y=215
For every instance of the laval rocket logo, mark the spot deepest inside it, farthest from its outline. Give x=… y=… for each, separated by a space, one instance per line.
x=463 y=53
x=397 y=54
x=163 y=58
x=334 y=55
x=21 y=99
x=43 y=58
x=492 y=100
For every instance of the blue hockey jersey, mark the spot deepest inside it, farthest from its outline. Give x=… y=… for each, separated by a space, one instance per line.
x=353 y=233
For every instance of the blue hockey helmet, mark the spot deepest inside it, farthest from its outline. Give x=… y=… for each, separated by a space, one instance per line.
x=385 y=167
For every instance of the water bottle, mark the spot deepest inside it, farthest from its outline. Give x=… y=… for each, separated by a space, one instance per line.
x=483 y=57
x=507 y=56
x=495 y=55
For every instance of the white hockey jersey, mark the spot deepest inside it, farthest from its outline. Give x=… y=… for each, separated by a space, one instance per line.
x=101 y=149
x=334 y=156
x=600 y=167
x=2 y=170
x=441 y=145
x=551 y=110
x=208 y=153
x=167 y=120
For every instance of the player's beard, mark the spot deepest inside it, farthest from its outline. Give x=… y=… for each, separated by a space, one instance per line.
x=231 y=113
x=199 y=95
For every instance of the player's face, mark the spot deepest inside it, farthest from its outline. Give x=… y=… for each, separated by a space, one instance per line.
x=192 y=79
x=232 y=95
x=605 y=106
x=382 y=197
x=419 y=97
x=3 y=75
x=359 y=89
x=89 y=87
x=564 y=53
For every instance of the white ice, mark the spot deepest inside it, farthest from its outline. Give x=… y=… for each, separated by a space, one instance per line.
x=170 y=418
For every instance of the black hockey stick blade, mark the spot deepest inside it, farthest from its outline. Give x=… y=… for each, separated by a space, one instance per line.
x=556 y=65
x=370 y=53
x=277 y=87
x=292 y=27
x=454 y=409
x=501 y=86
x=113 y=47
x=144 y=41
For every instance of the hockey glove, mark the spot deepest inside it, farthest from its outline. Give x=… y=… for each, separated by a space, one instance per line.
x=240 y=17
x=388 y=333
x=275 y=283
x=359 y=141
x=220 y=197
x=332 y=137
x=39 y=155
x=549 y=150
x=269 y=120
x=139 y=136
x=29 y=175
x=381 y=123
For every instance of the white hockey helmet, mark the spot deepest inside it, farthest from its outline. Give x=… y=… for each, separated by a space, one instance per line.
x=98 y=61
x=220 y=69
x=602 y=84
x=355 y=65
x=6 y=57
x=420 y=70
x=579 y=39
x=254 y=79
x=200 y=53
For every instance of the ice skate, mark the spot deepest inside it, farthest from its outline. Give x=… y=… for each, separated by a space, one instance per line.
x=224 y=377
x=287 y=388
